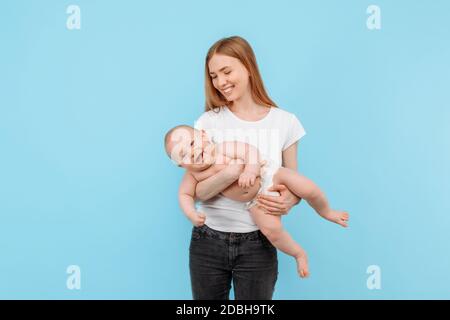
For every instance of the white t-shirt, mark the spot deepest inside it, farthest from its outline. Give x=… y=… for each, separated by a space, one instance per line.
x=273 y=134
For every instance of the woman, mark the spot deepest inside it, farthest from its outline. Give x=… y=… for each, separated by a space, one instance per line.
x=229 y=248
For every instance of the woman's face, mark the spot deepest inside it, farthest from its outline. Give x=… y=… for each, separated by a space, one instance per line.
x=229 y=76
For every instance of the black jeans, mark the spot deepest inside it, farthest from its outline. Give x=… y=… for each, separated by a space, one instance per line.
x=217 y=258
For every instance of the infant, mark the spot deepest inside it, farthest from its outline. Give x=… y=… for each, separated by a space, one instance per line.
x=192 y=150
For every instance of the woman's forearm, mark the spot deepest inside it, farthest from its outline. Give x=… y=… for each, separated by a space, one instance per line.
x=218 y=182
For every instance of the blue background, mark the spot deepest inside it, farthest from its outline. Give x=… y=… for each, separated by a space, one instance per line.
x=84 y=179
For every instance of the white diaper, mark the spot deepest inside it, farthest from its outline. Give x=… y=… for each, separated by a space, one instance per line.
x=268 y=170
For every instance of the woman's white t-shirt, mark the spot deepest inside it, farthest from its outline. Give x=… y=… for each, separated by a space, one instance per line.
x=272 y=134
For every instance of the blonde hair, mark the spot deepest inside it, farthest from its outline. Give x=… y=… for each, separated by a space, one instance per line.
x=238 y=48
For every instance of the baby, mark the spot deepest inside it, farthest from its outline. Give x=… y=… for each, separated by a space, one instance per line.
x=191 y=149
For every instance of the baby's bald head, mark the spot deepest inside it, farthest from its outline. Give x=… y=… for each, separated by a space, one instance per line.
x=175 y=135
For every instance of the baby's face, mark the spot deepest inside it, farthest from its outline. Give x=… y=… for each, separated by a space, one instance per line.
x=191 y=149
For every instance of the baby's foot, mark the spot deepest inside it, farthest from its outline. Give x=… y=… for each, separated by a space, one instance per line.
x=302 y=265
x=339 y=217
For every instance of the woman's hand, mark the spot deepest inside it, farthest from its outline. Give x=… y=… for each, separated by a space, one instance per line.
x=278 y=205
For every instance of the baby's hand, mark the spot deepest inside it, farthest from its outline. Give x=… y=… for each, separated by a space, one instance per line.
x=246 y=179
x=199 y=219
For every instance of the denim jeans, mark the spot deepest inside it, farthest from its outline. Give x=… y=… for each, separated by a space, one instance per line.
x=217 y=259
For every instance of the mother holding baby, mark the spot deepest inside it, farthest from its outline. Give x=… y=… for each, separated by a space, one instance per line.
x=228 y=248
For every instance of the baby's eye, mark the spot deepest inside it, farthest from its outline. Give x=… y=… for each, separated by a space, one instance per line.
x=227 y=72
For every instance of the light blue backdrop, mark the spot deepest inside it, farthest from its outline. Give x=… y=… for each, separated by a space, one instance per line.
x=84 y=179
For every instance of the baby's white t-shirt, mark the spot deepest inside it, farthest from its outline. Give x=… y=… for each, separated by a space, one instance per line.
x=272 y=134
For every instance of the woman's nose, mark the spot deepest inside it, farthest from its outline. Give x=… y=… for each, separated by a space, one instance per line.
x=221 y=81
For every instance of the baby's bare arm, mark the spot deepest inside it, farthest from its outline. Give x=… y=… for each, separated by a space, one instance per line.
x=205 y=174
x=216 y=183
x=186 y=194
x=247 y=153
x=238 y=150
x=237 y=193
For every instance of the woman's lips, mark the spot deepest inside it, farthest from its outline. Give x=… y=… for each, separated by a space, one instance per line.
x=228 y=90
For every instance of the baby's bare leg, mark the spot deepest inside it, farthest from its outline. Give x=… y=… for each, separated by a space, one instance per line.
x=272 y=228
x=308 y=190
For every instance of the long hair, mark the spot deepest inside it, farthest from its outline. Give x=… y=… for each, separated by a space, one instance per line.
x=238 y=48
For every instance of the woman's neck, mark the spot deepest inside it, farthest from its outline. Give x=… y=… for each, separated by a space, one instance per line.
x=245 y=106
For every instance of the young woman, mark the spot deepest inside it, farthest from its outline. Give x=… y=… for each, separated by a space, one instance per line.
x=229 y=248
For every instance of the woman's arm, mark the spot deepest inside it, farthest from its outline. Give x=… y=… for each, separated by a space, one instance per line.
x=290 y=157
x=215 y=184
x=282 y=204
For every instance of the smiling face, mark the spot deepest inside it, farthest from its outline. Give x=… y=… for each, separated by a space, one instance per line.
x=190 y=148
x=229 y=76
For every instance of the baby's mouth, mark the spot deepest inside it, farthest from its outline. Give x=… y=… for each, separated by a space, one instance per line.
x=199 y=158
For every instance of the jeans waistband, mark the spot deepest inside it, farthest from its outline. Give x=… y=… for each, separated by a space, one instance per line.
x=254 y=235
